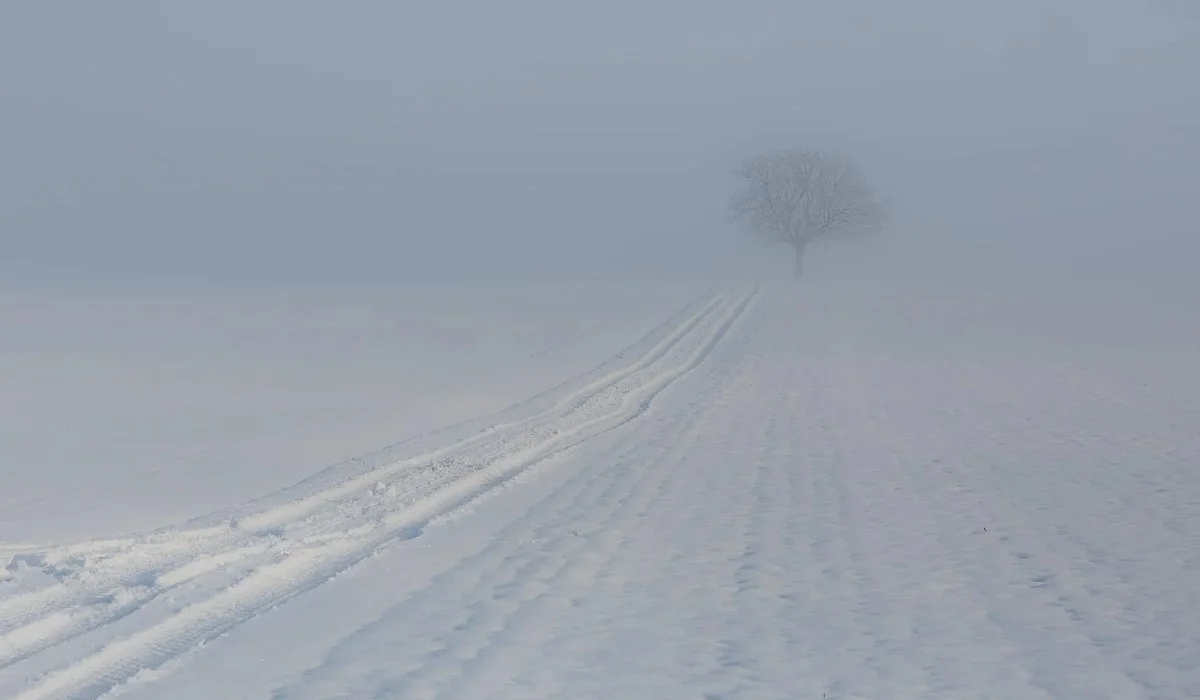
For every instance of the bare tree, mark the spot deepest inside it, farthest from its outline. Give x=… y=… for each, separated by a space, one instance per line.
x=800 y=195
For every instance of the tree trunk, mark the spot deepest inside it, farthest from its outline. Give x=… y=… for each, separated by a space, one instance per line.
x=798 y=270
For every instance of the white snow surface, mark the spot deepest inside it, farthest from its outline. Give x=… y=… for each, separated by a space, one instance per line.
x=126 y=408
x=809 y=491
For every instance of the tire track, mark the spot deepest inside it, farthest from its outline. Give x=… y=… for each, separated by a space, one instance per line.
x=343 y=525
x=101 y=582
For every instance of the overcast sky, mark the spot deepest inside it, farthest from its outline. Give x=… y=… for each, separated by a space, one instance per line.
x=308 y=140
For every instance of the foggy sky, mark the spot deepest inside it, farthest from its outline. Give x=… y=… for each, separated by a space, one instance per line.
x=452 y=140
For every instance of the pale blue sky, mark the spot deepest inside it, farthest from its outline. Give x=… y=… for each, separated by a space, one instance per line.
x=385 y=140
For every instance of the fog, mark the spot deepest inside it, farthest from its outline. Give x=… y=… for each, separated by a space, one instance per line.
x=381 y=141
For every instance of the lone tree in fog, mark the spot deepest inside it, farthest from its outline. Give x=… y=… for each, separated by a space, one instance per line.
x=800 y=195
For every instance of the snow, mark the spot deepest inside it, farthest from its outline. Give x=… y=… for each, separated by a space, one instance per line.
x=825 y=491
x=126 y=409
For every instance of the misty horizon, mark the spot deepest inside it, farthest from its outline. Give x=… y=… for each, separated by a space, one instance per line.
x=308 y=142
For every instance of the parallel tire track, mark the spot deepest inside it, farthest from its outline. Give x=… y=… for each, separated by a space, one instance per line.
x=104 y=581
x=289 y=549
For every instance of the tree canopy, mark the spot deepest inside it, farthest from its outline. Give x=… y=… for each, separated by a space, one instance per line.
x=800 y=195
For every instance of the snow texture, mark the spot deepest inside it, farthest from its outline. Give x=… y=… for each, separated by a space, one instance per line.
x=775 y=493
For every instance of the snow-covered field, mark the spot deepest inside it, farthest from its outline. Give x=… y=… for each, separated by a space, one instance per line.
x=821 y=491
x=127 y=408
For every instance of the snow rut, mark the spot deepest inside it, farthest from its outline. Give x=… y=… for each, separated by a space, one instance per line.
x=129 y=589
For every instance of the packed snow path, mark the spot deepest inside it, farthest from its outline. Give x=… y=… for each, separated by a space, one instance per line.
x=776 y=496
